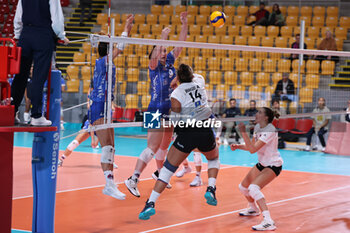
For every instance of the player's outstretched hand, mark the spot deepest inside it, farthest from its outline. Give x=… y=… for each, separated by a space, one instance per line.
x=129 y=23
x=165 y=33
x=241 y=127
x=173 y=83
x=183 y=17
x=234 y=147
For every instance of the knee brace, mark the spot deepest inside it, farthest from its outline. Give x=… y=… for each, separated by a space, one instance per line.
x=214 y=163
x=74 y=144
x=254 y=192
x=107 y=155
x=167 y=172
x=146 y=155
x=243 y=190
x=160 y=154
x=197 y=159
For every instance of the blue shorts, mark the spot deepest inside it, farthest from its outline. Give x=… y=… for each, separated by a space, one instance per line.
x=163 y=107
x=97 y=111
x=86 y=126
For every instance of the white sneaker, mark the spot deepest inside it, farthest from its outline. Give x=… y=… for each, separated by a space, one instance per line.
x=265 y=225
x=17 y=120
x=40 y=121
x=60 y=163
x=250 y=212
x=196 y=182
x=62 y=126
x=184 y=170
x=307 y=148
x=155 y=176
x=132 y=186
x=113 y=191
x=323 y=149
x=225 y=142
x=115 y=165
x=26 y=117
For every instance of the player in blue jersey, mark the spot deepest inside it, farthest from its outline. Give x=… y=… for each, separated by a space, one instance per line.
x=98 y=108
x=163 y=80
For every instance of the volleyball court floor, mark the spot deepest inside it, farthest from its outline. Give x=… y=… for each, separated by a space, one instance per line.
x=310 y=195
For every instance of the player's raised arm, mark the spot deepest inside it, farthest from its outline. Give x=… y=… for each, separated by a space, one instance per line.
x=183 y=33
x=156 y=51
x=128 y=26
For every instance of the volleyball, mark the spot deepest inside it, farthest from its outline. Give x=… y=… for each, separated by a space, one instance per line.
x=217 y=19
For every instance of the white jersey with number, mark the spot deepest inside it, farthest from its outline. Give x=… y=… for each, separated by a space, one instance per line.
x=268 y=155
x=193 y=99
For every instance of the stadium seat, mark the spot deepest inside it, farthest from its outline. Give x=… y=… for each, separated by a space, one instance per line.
x=132 y=74
x=246 y=30
x=179 y=9
x=79 y=57
x=117 y=113
x=313 y=32
x=164 y=19
x=341 y=33
x=227 y=63
x=246 y=78
x=145 y=29
x=255 y=65
x=116 y=17
x=145 y=99
x=255 y=93
x=293 y=11
x=332 y=11
x=283 y=65
x=221 y=31
x=259 y=30
x=186 y=60
x=132 y=60
x=294 y=77
x=139 y=18
x=73 y=85
x=286 y=31
x=281 y=42
x=121 y=88
x=292 y=21
x=307 y=20
x=192 y=10
x=119 y=74
x=143 y=88
x=201 y=72
x=251 y=19
x=263 y=79
x=119 y=61
x=238 y=92
x=241 y=40
x=233 y=30
x=214 y=77
x=306 y=11
x=86 y=72
x=318 y=21
x=201 y=19
x=239 y=20
x=283 y=9
x=269 y=91
x=319 y=11
x=310 y=42
x=227 y=39
x=199 y=63
x=269 y=65
x=286 y=124
x=91 y=57
x=325 y=29
x=131 y=101
x=73 y=72
x=194 y=29
x=216 y=8
x=272 y=31
x=152 y=19
x=193 y=52
x=339 y=43
x=242 y=11
x=101 y=18
x=313 y=67
x=331 y=21
x=204 y=10
x=168 y=9
x=175 y=20
x=156 y=9
x=207 y=30
x=254 y=40
x=221 y=91
x=295 y=66
x=303 y=126
x=213 y=63
x=327 y=67
x=253 y=9
x=344 y=21
x=157 y=29
x=230 y=78
x=306 y=95
x=312 y=81
x=241 y=64
x=229 y=10
x=86 y=47
x=86 y=85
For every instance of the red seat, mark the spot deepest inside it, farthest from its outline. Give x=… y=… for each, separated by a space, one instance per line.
x=2 y=18
x=64 y=2
x=286 y=124
x=5 y=8
x=129 y=115
x=117 y=114
x=303 y=126
x=275 y=123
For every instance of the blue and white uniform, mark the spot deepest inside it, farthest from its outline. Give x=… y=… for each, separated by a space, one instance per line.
x=161 y=78
x=98 y=95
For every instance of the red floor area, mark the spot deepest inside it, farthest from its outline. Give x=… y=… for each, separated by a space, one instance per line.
x=299 y=202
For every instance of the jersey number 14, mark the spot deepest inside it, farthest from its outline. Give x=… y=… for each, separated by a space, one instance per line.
x=196 y=96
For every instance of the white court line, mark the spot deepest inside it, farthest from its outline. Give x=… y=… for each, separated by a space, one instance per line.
x=20 y=230
x=102 y=185
x=235 y=211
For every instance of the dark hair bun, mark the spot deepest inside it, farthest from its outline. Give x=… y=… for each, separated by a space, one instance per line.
x=276 y=114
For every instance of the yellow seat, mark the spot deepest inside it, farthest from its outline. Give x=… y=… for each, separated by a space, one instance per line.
x=156 y=9
x=248 y=54
x=306 y=11
x=91 y=58
x=263 y=79
x=164 y=19
x=144 y=61
x=190 y=19
x=207 y=30
x=233 y=30
x=318 y=21
x=102 y=18
x=238 y=92
x=214 y=39
x=269 y=65
x=72 y=72
x=332 y=11
x=261 y=55
x=221 y=31
x=255 y=93
x=312 y=67
x=246 y=30
x=242 y=11
x=239 y=20
x=310 y=42
x=296 y=30
x=294 y=78
x=241 y=64
x=292 y=21
x=275 y=78
x=255 y=65
x=312 y=81
x=192 y=10
x=283 y=65
x=116 y=17
x=213 y=63
x=143 y=87
x=168 y=9
x=344 y=21
x=216 y=8
x=227 y=39
x=293 y=11
x=201 y=72
x=241 y=40
x=269 y=91
x=267 y=41
x=327 y=67
x=132 y=74
x=179 y=9
x=199 y=63
x=253 y=9
x=201 y=19
x=281 y=42
x=259 y=30
x=307 y=20
x=230 y=78
x=313 y=32
x=295 y=66
x=319 y=11
x=254 y=40
x=214 y=77
x=204 y=10
x=86 y=47
x=339 y=43
x=86 y=72
x=119 y=73
x=86 y=85
x=131 y=101
x=175 y=20
x=325 y=29
x=272 y=31
x=73 y=85
x=152 y=19
x=119 y=61
x=229 y=10
x=121 y=88
x=251 y=19
x=129 y=49
x=221 y=90
x=79 y=57
x=145 y=100
x=341 y=32
x=286 y=31
x=194 y=29
x=139 y=18
x=246 y=78
x=157 y=29
x=145 y=29
x=305 y=95
x=193 y=52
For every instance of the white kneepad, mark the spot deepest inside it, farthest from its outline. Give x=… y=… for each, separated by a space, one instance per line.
x=107 y=155
x=160 y=155
x=146 y=155
x=215 y=163
x=243 y=190
x=254 y=192
x=74 y=144
x=197 y=159
x=165 y=175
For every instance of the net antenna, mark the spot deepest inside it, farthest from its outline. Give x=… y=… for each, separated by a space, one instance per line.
x=111 y=24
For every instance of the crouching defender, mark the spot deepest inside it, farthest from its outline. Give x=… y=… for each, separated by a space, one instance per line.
x=188 y=102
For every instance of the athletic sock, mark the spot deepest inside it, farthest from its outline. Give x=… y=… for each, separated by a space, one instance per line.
x=136 y=175
x=63 y=157
x=109 y=177
x=212 y=182
x=266 y=215
x=252 y=205
x=154 y=196
x=198 y=173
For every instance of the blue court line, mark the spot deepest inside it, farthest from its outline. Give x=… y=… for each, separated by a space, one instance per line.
x=316 y=162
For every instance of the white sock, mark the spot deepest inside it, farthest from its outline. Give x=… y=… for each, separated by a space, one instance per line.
x=252 y=205
x=198 y=173
x=63 y=157
x=109 y=177
x=154 y=196
x=266 y=215
x=212 y=182
x=136 y=175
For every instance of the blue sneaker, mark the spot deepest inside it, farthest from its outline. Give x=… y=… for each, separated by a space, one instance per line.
x=148 y=211
x=210 y=196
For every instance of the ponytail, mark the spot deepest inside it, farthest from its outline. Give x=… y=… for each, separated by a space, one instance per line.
x=271 y=114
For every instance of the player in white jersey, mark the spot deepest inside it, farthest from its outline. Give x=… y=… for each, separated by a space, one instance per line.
x=265 y=143
x=188 y=103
